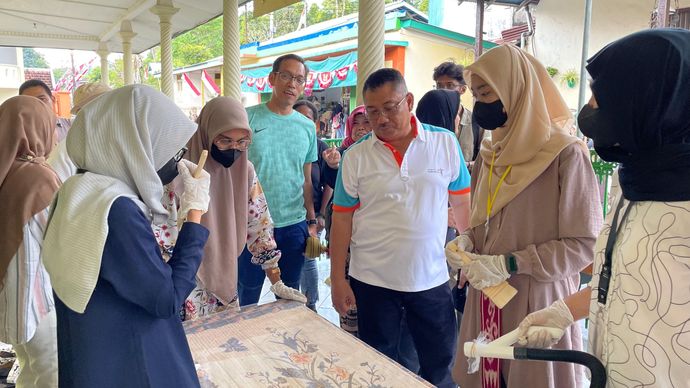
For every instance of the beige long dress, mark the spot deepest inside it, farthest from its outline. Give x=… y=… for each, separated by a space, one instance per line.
x=551 y=228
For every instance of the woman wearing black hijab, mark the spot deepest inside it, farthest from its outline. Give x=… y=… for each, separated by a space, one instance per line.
x=639 y=299
x=440 y=107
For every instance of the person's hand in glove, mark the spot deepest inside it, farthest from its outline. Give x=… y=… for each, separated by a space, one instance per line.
x=461 y=243
x=485 y=270
x=195 y=195
x=557 y=316
x=281 y=290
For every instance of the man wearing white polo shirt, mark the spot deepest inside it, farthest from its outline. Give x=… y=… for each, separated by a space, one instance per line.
x=390 y=208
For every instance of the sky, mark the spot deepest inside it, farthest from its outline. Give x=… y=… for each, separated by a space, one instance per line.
x=456 y=18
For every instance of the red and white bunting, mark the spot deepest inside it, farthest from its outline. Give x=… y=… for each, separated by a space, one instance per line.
x=261 y=83
x=342 y=73
x=191 y=84
x=325 y=79
x=311 y=77
x=209 y=83
x=81 y=72
x=250 y=81
x=354 y=67
x=242 y=78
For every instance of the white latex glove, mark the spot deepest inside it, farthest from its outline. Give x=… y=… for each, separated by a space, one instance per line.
x=285 y=292
x=461 y=243
x=195 y=195
x=485 y=270
x=557 y=315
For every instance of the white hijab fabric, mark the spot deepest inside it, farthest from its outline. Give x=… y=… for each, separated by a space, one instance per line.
x=121 y=139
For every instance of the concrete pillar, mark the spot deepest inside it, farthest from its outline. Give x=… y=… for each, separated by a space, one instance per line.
x=371 y=51
x=103 y=53
x=126 y=34
x=165 y=10
x=231 y=50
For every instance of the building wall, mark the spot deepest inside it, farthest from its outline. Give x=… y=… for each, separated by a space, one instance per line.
x=560 y=26
x=8 y=56
x=425 y=52
x=11 y=71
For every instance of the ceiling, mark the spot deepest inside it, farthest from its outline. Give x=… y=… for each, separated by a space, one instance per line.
x=83 y=24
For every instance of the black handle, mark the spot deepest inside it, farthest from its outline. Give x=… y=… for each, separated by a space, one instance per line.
x=592 y=363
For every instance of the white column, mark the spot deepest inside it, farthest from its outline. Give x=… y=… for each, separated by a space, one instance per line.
x=127 y=34
x=231 y=50
x=371 y=52
x=165 y=10
x=103 y=53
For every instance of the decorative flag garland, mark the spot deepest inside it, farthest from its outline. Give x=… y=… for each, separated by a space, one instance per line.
x=191 y=84
x=322 y=80
x=210 y=83
x=69 y=80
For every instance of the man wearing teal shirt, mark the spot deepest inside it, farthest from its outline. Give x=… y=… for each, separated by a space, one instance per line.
x=282 y=151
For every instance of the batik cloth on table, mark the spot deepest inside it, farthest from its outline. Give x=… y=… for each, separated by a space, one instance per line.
x=284 y=344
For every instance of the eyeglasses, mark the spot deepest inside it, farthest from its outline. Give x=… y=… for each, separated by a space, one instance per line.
x=448 y=85
x=374 y=114
x=287 y=77
x=178 y=156
x=226 y=143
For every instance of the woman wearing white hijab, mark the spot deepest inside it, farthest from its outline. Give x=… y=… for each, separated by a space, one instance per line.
x=116 y=299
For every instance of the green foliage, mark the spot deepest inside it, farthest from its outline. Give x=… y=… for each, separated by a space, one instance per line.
x=552 y=71
x=33 y=58
x=206 y=41
x=115 y=74
x=59 y=72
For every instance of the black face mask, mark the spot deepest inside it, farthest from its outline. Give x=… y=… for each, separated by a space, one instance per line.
x=227 y=157
x=597 y=127
x=489 y=116
x=168 y=172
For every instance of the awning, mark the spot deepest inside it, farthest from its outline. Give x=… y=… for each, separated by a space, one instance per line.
x=333 y=72
x=81 y=25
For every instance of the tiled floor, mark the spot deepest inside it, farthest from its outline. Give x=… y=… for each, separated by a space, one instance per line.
x=323 y=306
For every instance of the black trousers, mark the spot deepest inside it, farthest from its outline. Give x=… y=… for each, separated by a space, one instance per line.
x=430 y=317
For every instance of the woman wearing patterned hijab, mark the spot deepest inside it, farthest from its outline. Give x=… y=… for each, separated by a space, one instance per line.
x=27 y=185
x=238 y=213
x=639 y=299
x=117 y=300
x=534 y=218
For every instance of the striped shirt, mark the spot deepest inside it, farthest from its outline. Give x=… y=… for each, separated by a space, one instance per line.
x=26 y=296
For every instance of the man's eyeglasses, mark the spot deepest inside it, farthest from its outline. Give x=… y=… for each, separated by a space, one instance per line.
x=287 y=77
x=178 y=156
x=448 y=85
x=226 y=143
x=374 y=114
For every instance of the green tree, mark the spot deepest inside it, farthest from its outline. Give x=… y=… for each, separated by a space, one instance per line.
x=115 y=74
x=206 y=41
x=33 y=58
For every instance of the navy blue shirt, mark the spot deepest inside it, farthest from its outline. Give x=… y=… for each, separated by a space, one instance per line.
x=130 y=334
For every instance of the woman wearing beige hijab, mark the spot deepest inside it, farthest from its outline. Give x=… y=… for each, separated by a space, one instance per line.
x=534 y=218
x=27 y=185
x=238 y=214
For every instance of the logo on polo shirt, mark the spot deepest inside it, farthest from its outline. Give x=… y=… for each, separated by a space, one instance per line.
x=434 y=171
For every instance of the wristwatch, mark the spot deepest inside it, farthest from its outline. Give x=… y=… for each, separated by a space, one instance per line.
x=311 y=222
